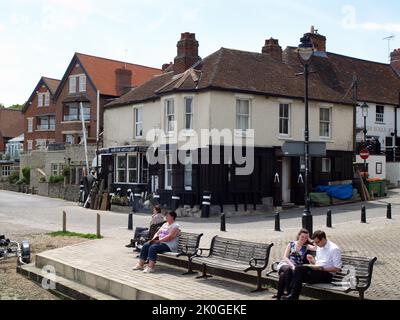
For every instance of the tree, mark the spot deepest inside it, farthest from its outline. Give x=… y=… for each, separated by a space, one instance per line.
x=18 y=107
x=2 y=106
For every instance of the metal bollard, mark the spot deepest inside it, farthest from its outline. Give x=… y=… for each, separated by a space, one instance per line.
x=156 y=199
x=175 y=201
x=206 y=204
x=277 y=221
x=329 y=219
x=130 y=221
x=363 y=215
x=223 y=222
x=389 y=211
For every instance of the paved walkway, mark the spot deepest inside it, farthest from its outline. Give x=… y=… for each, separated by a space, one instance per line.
x=21 y=214
x=108 y=258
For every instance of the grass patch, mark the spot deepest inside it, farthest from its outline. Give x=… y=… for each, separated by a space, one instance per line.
x=74 y=234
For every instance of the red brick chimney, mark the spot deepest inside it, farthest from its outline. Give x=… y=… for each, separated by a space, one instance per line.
x=123 y=80
x=188 y=52
x=319 y=41
x=273 y=49
x=395 y=60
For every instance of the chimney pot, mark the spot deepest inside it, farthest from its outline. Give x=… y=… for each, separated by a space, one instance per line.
x=188 y=52
x=272 y=49
x=318 y=40
x=395 y=60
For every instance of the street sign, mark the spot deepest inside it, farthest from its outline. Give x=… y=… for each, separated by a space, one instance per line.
x=296 y=149
x=364 y=154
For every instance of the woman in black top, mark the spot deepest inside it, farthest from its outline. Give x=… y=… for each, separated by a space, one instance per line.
x=294 y=256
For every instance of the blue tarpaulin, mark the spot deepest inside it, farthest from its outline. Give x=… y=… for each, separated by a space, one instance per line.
x=341 y=192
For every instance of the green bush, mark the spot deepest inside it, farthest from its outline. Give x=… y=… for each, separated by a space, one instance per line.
x=42 y=179
x=26 y=174
x=56 y=179
x=66 y=171
x=13 y=178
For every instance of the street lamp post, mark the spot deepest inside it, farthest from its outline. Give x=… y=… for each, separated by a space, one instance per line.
x=305 y=52
x=364 y=109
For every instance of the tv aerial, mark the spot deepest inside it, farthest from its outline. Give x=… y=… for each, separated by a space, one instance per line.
x=388 y=39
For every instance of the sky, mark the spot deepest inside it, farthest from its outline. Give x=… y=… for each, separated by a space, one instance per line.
x=39 y=37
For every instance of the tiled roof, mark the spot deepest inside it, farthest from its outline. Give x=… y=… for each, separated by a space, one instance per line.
x=376 y=82
x=102 y=72
x=52 y=84
x=331 y=79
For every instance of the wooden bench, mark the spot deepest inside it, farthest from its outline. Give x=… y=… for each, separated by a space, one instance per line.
x=356 y=275
x=187 y=247
x=235 y=255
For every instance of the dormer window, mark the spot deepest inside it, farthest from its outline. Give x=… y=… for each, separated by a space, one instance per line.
x=43 y=99
x=72 y=84
x=40 y=100
x=82 y=83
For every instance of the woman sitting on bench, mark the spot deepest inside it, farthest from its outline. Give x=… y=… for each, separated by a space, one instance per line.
x=156 y=219
x=165 y=240
x=294 y=256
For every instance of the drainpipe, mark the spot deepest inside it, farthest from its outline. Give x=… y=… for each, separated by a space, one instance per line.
x=355 y=99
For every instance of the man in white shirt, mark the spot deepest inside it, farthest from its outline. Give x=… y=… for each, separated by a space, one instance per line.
x=321 y=269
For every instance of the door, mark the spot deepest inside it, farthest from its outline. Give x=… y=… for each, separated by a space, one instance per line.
x=286 y=180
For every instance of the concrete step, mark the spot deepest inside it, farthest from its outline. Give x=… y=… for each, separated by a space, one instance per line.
x=64 y=288
x=101 y=286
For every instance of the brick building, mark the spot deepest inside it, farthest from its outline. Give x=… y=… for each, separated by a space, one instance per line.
x=40 y=115
x=85 y=76
x=11 y=126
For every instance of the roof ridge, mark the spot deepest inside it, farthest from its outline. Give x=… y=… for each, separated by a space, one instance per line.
x=123 y=62
x=48 y=78
x=350 y=57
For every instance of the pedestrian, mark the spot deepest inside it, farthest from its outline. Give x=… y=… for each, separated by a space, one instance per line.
x=294 y=256
x=165 y=240
x=320 y=269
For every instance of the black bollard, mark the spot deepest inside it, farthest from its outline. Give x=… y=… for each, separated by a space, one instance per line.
x=277 y=221
x=363 y=215
x=223 y=222
x=389 y=211
x=130 y=221
x=329 y=219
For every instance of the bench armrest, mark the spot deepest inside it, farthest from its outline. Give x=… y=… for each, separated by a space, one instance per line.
x=187 y=252
x=358 y=278
x=254 y=263
x=199 y=252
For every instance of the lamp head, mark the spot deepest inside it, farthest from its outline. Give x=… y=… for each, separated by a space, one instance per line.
x=365 y=109
x=305 y=49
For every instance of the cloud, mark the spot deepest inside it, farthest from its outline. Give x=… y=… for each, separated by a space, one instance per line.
x=2 y=28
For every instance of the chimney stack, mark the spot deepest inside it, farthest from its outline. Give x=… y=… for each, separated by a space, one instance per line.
x=188 y=52
x=395 y=60
x=165 y=66
x=273 y=49
x=123 y=80
x=318 y=41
